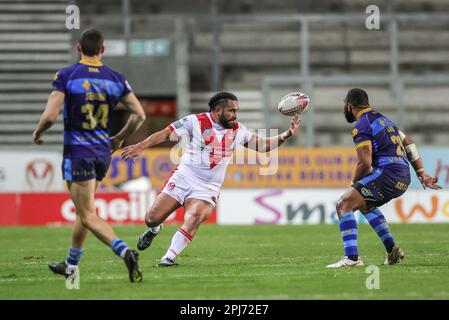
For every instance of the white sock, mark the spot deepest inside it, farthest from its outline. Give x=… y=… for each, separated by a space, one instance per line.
x=178 y=243
x=155 y=230
x=122 y=254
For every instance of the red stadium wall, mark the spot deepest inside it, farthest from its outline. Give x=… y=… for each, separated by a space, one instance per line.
x=9 y=204
x=57 y=208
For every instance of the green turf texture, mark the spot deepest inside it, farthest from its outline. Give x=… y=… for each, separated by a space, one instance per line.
x=230 y=262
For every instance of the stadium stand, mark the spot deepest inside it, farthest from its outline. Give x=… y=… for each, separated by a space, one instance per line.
x=32 y=47
x=250 y=51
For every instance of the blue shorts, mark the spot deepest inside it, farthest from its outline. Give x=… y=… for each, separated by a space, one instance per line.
x=82 y=169
x=383 y=184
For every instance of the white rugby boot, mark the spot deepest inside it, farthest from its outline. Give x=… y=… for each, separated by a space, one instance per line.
x=345 y=262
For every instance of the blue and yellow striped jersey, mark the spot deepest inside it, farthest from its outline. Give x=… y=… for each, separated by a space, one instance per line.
x=91 y=92
x=372 y=128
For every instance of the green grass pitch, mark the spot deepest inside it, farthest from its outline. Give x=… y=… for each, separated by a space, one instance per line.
x=230 y=262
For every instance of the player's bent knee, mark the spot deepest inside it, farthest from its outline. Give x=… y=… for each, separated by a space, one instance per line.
x=195 y=218
x=343 y=205
x=152 y=222
x=206 y=215
x=152 y=219
x=203 y=216
x=87 y=220
x=338 y=207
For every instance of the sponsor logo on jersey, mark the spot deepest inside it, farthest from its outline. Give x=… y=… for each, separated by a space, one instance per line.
x=93 y=70
x=171 y=186
x=86 y=85
x=177 y=124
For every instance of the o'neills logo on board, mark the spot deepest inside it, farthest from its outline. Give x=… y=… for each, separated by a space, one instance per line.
x=120 y=207
x=39 y=175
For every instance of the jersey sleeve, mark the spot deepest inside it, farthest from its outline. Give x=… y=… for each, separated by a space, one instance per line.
x=59 y=81
x=126 y=88
x=183 y=126
x=362 y=133
x=244 y=134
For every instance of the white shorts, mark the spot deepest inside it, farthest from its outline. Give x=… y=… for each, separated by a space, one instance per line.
x=182 y=188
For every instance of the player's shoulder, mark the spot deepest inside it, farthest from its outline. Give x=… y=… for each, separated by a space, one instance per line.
x=193 y=116
x=186 y=120
x=380 y=117
x=66 y=71
x=113 y=72
x=241 y=126
x=366 y=117
x=202 y=117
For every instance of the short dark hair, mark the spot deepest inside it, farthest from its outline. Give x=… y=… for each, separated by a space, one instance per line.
x=221 y=97
x=91 y=41
x=357 y=97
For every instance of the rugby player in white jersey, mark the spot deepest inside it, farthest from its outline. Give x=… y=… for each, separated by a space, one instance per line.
x=195 y=184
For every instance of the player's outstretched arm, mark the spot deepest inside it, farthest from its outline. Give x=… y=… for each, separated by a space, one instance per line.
x=49 y=116
x=135 y=120
x=415 y=159
x=133 y=151
x=266 y=144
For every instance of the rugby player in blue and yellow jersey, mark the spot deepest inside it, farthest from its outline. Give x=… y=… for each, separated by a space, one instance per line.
x=382 y=173
x=89 y=91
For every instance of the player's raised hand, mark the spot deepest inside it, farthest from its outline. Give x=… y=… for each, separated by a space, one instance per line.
x=37 y=137
x=294 y=126
x=131 y=152
x=429 y=181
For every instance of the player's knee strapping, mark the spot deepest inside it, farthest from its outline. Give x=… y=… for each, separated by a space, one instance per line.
x=378 y=222
x=348 y=229
x=74 y=256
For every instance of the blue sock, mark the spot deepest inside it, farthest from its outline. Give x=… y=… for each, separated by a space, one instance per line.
x=74 y=256
x=119 y=247
x=348 y=229
x=378 y=222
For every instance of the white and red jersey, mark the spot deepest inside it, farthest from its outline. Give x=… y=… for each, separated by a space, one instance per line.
x=210 y=147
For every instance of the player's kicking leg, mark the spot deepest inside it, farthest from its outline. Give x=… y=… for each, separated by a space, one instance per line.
x=196 y=212
x=82 y=194
x=346 y=206
x=163 y=206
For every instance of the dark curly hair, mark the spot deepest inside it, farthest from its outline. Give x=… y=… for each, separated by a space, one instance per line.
x=221 y=99
x=357 y=97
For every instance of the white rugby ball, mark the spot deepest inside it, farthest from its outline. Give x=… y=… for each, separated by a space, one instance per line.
x=293 y=103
